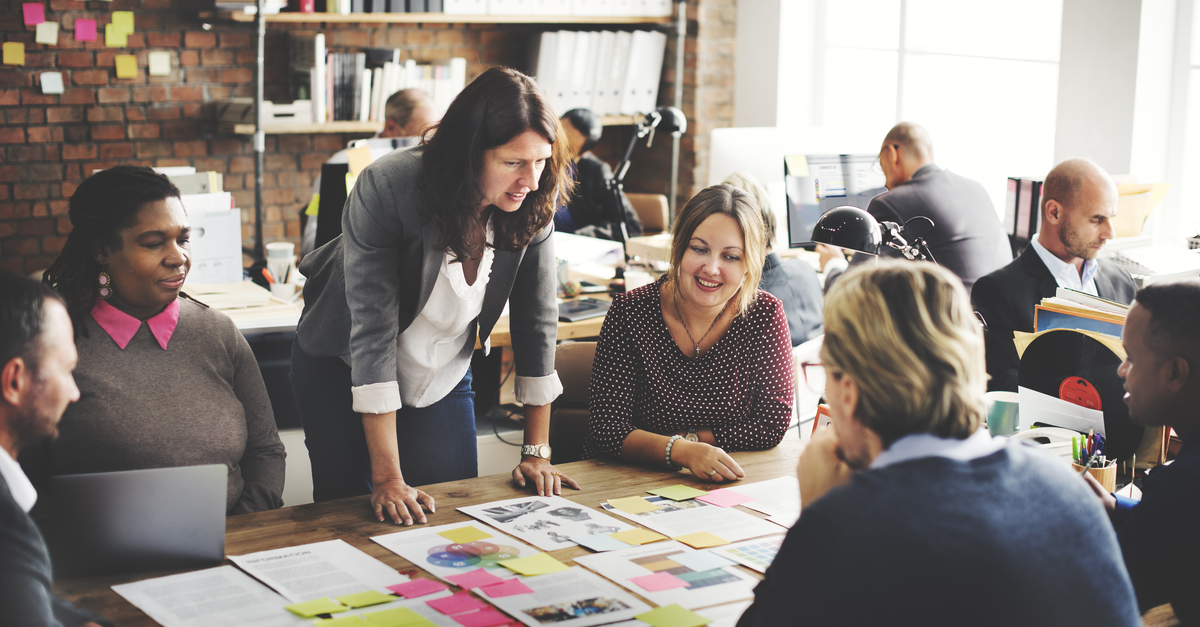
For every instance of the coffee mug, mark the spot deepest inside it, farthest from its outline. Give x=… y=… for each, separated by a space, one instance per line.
x=1002 y=413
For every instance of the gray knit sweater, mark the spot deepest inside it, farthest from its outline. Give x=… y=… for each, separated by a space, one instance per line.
x=201 y=401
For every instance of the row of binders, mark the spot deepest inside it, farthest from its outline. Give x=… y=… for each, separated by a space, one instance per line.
x=611 y=73
x=533 y=8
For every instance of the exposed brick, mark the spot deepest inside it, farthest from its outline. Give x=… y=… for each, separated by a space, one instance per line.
x=63 y=226
x=237 y=75
x=188 y=58
x=120 y=150
x=74 y=58
x=226 y=146
x=59 y=115
x=16 y=79
x=90 y=77
x=23 y=247
x=187 y=94
x=30 y=98
x=153 y=149
x=47 y=172
x=202 y=75
x=274 y=162
x=9 y=210
x=170 y=112
x=17 y=116
x=312 y=161
x=34 y=227
x=60 y=207
x=108 y=131
x=329 y=143
x=78 y=96
x=183 y=129
x=247 y=57
x=6 y=230
x=218 y=56
x=191 y=149
x=154 y=93
x=10 y=173
x=294 y=143
x=163 y=40
x=79 y=151
x=10 y=97
x=105 y=114
x=241 y=164
x=53 y=244
x=12 y=135
x=199 y=39
x=39 y=209
x=135 y=114
x=235 y=40
x=145 y=131
x=30 y=191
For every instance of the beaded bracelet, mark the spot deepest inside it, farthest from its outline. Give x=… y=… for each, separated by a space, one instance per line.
x=670 y=443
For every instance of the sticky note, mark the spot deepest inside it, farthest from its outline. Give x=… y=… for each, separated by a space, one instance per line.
x=114 y=37
x=633 y=505
x=600 y=543
x=359 y=158
x=701 y=540
x=483 y=618
x=474 y=579
x=539 y=564
x=417 y=588
x=123 y=20
x=724 y=498
x=126 y=66
x=85 y=30
x=350 y=179
x=160 y=63
x=462 y=535
x=456 y=604
x=399 y=617
x=638 y=537
x=52 y=82
x=678 y=492
x=700 y=561
x=659 y=581
x=363 y=599
x=308 y=609
x=14 y=53
x=47 y=33
x=672 y=616
x=506 y=589
x=34 y=12
x=343 y=621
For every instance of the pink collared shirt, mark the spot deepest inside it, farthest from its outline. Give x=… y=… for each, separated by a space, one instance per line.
x=121 y=327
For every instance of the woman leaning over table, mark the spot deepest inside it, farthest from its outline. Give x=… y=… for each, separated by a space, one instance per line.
x=164 y=380
x=699 y=362
x=435 y=239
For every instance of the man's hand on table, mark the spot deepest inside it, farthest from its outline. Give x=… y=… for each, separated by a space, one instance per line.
x=542 y=473
x=821 y=467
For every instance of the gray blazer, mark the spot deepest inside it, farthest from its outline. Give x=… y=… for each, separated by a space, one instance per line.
x=367 y=285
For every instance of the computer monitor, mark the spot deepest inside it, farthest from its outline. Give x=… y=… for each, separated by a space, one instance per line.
x=817 y=183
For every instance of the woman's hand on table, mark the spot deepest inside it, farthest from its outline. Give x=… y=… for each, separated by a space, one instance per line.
x=400 y=502
x=542 y=473
x=821 y=467
x=706 y=461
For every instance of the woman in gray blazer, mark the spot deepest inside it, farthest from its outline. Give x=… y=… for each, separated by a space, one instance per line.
x=435 y=239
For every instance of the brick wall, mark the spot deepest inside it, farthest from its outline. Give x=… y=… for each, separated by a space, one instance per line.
x=50 y=143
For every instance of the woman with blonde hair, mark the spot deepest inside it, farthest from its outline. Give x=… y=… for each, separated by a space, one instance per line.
x=700 y=361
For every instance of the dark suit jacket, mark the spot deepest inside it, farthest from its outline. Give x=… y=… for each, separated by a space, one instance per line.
x=966 y=238
x=1006 y=299
x=26 y=584
x=795 y=283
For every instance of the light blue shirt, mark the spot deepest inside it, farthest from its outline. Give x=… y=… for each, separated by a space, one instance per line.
x=1064 y=273
x=918 y=445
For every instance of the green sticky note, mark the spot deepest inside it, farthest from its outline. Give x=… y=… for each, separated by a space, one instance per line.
x=633 y=505
x=638 y=537
x=308 y=609
x=363 y=599
x=399 y=617
x=123 y=20
x=114 y=37
x=344 y=621
x=539 y=564
x=672 y=616
x=678 y=492
x=126 y=66
x=463 y=535
x=702 y=540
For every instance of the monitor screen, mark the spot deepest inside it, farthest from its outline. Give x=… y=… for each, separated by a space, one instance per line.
x=817 y=183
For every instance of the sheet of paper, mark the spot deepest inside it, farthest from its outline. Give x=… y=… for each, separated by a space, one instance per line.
x=417 y=588
x=506 y=589
x=637 y=536
x=601 y=543
x=365 y=599
x=85 y=30
x=678 y=492
x=754 y=554
x=429 y=549
x=709 y=587
x=701 y=540
x=114 y=37
x=659 y=581
x=779 y=497
x=160 y=63
x=309 y=609
x=456 y=604
x=483 y=618
x=477 y=578
x=126 y=66
x=673 y=616
x=35 y=13
x=214 y=596
x=124 y=21
x=539 y=564
x=547 y=522
x=52 y=82
x=14 y=53
x=725 y=498
x=718 y=616
x=678 y=518
x=571 y=598
x=321 y=569
x=47 y=33
x=702 y=560
x=632 y=505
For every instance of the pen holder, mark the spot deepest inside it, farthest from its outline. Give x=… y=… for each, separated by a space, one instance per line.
x=1107 y=476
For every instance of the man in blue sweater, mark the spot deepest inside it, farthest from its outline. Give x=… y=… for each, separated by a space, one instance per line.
x=1158 y=534
x=912 y=515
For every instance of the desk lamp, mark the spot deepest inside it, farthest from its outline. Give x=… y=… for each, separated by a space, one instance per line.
x=853 y=228
x=666 y=119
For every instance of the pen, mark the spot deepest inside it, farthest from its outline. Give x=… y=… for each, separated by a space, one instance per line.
x=267 y=276
x=1075 y=448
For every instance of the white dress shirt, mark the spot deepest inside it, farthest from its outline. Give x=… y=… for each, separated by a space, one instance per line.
x=18 y=484
x=1065 y=274
x=918 y=445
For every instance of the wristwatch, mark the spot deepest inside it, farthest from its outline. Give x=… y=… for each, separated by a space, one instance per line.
x=692 y=436
x=536 y=450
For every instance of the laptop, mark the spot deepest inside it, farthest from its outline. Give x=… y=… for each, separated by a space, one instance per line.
x=138 y=520
x=582 y=309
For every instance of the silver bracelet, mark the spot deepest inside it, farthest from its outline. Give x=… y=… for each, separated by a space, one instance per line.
x=670 y=443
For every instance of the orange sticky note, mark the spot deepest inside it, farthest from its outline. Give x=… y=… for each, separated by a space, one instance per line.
x=126 y=66
x=14 y=53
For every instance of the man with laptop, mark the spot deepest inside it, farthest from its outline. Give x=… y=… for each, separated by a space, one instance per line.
x=37 y=355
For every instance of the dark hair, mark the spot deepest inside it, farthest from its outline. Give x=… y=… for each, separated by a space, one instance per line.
x=103 y=205
x=587 y=124
x=22 y=318
x=496 y=107
x=1173 y=308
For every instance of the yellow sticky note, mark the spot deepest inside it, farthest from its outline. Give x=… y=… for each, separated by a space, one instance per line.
x=463 y=535
x=399 y=617
x=539 y=564
x=701 y=540
x=633 y=505
x=672 y=616
x=14 y=53
x=350 y=179
x=123 y=20
x=638 y=536
x=363 y=599
x=797 y=165
x=160 y=63
x=358 y=158
x=126 y=66
x=114 y=37
x=678 y=492
x=47 y=33
x=344 y=621
x=308 y=609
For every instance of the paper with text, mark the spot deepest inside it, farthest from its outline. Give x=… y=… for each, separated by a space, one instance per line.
x=214 y=596
x=547 y=522
x=679 y=518
x=322 y=569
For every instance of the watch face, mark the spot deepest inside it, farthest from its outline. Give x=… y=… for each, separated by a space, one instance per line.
x=544 y=451
x=692 y=436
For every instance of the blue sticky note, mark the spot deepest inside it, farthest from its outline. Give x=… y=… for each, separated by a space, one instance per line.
x=701 y=561
x=600 y=542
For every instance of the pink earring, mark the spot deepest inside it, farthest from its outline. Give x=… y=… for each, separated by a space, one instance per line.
x=105 y=283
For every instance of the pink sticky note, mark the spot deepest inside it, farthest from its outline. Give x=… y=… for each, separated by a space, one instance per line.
x=483 y=618
x=85 y=30
x=456 y=604
x=506 y=589
x=417 y=588
x=724 y=498
x=477 y=578
x=660 y=581
x=35 y=13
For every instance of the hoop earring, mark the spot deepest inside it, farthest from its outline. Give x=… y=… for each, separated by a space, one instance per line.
x=105 y=285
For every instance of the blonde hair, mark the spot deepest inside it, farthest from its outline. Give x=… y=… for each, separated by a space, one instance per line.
x=737 y=204
x=905 y=333
x=747 y=183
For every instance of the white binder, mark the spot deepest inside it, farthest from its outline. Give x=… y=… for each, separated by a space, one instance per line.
x=607 y=41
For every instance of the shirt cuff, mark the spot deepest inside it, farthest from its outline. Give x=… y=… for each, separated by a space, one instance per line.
x=538 y=390
x=1125 y=503
x=836 y=263
x=377 y=398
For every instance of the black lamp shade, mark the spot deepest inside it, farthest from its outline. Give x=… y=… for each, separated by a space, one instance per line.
x=673 y=121
x=849 y=227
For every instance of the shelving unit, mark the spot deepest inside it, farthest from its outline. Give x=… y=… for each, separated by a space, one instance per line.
x=361 y=127
x=432 y=18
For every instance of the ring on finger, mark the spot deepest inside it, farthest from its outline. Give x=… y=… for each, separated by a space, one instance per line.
x=713 y=472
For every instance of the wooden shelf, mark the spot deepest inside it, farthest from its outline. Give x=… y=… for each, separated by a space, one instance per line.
x=358 y=127
x=433 y=18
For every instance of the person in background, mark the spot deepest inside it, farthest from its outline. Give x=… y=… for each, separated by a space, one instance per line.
x=1079 y=201
x=1157 y=535
x=913 y=515
x=165 y=381
x=699 y=361
x=37 y=356
x=591 y=210
x=407 y=114
x=794 y=282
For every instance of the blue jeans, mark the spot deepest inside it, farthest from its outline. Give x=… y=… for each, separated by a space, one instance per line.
x=437 y=443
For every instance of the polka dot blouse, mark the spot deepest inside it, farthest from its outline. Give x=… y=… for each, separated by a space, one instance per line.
x=742 y=388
